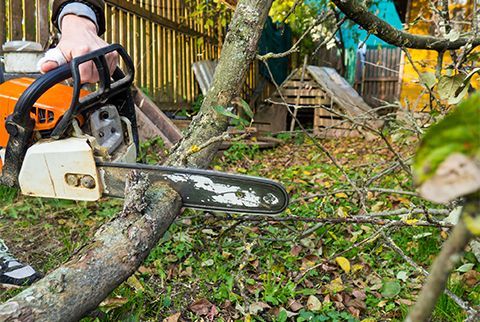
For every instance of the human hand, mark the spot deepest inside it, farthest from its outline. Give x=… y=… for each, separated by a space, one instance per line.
x=79 y=37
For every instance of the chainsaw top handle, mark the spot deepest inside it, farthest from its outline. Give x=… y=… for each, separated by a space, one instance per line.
x=106 y=88
x=20 y=125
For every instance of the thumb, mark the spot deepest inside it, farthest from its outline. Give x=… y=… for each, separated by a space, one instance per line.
x=48 y=66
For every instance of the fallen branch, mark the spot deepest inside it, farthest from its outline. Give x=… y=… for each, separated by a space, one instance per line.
x=115 y=252
x=366 y=219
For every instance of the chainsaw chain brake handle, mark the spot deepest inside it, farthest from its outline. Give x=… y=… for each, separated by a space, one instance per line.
x=20 y=125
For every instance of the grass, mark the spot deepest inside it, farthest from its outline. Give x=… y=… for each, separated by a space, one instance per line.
x=206 y=267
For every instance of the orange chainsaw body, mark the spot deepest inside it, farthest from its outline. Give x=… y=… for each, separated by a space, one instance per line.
x=47 y=111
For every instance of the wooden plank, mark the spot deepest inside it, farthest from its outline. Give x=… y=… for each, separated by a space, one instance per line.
x=147 y=129
x=304 y=92
x=108 y=24
x=272 y=118
x=142 y=63
x=327 y=122
x=43 y=22
x=122 y=18
x=315 y=101
x=16 y=18
x=182 y=124
x=155 y=63
x=335 y=133
x=3 y=24
x=29 y=18
x=298 y=84
x=160 y=120
x=136 y=46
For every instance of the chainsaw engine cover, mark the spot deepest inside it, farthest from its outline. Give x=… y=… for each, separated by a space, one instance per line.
x=62 y=169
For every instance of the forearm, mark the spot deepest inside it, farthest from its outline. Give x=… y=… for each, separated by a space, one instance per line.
x=81 y=26
x=94 y=11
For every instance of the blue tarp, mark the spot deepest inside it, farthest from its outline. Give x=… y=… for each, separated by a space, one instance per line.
x=353 y=35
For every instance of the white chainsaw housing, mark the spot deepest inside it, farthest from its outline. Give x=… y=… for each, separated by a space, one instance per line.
x=62 y=169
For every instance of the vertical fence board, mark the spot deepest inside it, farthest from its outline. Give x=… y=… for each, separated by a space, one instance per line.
x=29 y=18
x=378 y=77
x=3 y=24
x=16 y=18
x=42 y=22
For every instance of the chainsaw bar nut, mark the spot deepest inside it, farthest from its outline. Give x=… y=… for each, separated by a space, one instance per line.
x=72 y=179
x=88 y=182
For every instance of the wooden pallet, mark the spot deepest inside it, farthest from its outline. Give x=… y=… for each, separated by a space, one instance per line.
x=323 y=90
x=304 y=94
x=327 y=124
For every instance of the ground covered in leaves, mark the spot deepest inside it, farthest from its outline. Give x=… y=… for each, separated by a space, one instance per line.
x=312 y=263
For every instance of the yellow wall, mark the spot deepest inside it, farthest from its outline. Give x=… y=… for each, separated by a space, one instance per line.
x=425 y=60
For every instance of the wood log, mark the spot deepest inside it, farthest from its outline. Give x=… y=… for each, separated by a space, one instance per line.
x=114 y=253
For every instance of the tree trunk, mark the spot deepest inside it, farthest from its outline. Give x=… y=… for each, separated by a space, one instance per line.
x=238 y=51
x=120 y=246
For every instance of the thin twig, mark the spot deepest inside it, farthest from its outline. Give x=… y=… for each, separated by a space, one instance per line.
x=364 y=219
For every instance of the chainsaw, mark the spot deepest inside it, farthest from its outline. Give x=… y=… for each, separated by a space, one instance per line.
x=67 y=142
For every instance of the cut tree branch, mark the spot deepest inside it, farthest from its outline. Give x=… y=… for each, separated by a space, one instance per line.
x=359 y=14
x=116 y=251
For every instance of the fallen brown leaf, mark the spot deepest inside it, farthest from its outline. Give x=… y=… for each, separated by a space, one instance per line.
x=173 y=318
x=201 y=307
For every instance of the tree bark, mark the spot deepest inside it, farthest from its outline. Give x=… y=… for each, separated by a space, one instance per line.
x=383 y=30
x=120 y=246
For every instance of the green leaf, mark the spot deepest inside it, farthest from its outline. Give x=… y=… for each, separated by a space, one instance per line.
x=428 y=79
x=449 y=85
x=402 y=275
x=462 y=92
x=391 y=289
x=221 y=110
x=465 y=268
x=458 y=132
x=282 y=316
x=246 y=108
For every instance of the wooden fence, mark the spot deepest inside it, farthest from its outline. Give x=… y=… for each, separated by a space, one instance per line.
x=162 y=37
x=378 y=75
x=24 y=20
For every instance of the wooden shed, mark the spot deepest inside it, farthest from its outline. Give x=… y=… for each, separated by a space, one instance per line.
x=338 y=110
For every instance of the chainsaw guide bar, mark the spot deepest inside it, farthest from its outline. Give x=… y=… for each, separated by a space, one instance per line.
x=202 y=189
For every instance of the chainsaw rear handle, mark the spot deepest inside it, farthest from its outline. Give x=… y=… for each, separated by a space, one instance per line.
x=20 y=125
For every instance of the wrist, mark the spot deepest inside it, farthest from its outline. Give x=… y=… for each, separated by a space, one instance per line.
x=76 y=23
